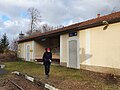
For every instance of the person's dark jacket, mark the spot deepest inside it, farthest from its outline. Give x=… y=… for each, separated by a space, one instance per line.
x=47 y=57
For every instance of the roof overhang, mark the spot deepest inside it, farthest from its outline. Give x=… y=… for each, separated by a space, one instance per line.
x=68 y=29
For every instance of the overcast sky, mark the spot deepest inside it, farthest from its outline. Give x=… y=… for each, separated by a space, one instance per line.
x=14 y=17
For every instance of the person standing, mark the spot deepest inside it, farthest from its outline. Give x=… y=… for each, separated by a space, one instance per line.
x=47 y=58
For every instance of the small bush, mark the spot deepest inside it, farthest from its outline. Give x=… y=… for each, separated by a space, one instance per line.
x=9 y=56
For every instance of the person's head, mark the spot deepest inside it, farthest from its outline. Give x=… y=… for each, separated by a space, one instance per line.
x=48 y=49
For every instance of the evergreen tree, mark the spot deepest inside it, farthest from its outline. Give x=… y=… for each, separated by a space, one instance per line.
x=4 y=43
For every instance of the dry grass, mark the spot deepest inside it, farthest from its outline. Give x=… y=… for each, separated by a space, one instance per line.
x=66 y=78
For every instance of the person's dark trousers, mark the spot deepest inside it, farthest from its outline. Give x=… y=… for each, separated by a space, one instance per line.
x=47 y=69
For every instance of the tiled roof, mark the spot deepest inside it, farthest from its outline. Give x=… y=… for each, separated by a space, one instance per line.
x=111 y=18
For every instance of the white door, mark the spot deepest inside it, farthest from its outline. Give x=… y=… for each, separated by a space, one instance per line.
x=28 y=53
x=73 y=54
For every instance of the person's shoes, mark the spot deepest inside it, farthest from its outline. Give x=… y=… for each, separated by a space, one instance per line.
x=47 y=76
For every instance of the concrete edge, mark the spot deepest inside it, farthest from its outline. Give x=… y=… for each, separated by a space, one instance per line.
x=2 y=66
x=29 y=78
x=50 y=87
x=35 y=80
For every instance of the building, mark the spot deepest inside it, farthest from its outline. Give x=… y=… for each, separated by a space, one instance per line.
x=92 y=45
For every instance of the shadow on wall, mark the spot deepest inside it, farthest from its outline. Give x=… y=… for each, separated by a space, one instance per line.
x=84 y=56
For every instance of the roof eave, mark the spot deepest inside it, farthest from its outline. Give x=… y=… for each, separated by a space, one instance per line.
x=73 y=29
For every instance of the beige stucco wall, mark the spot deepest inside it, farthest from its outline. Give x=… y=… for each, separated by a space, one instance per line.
x=63 y=48
x=105 y=46
x=39 y=50
x=82 y=46
x=22 y=49
x=97 y=47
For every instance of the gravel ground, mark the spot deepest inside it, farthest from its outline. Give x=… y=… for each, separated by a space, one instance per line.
x=90 y=81
x=5 y=84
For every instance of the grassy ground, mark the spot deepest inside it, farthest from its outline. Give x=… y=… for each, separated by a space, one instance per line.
x=66 y=78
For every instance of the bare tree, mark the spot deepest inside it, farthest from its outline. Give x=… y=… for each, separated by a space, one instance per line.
x=14 y=45
x=46 y=28
x=35 y=19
